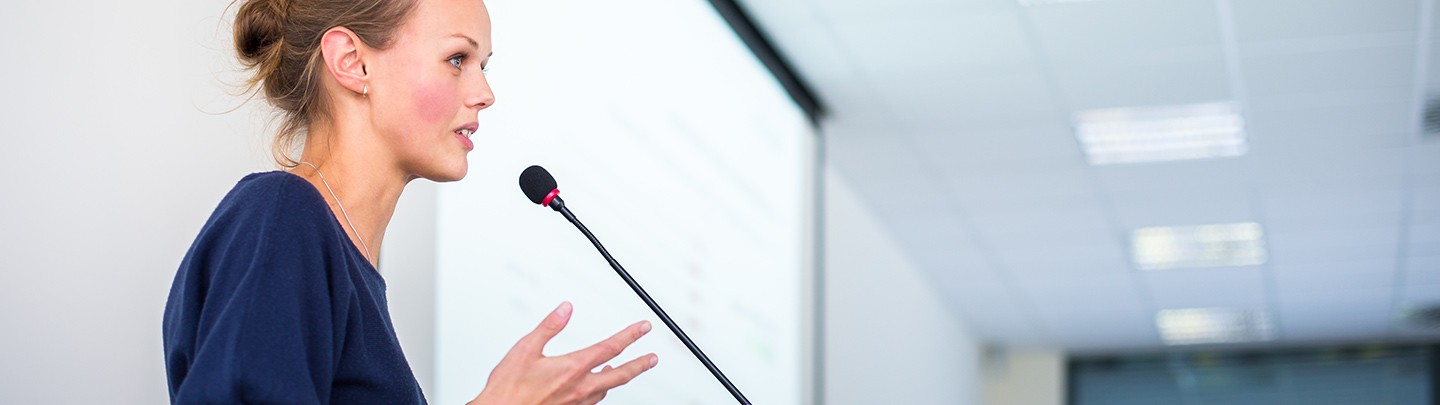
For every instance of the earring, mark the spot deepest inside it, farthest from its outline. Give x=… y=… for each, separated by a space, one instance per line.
x=365 y=92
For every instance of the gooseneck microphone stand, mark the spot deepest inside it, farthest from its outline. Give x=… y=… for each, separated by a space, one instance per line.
x=559 y=205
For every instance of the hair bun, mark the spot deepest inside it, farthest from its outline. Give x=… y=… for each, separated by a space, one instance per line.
x=259 y=30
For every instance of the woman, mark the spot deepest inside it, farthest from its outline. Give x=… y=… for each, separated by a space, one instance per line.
x=278 y=299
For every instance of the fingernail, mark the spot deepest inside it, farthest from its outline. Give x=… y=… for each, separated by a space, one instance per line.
x=654 y=360
x=563 y=310
x=645 y=327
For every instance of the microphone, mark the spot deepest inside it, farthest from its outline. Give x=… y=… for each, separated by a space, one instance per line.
x=540 y=187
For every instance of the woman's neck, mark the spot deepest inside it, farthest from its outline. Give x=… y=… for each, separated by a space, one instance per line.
x=365 y=184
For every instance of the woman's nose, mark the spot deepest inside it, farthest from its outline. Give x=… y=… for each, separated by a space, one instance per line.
x=482 y=97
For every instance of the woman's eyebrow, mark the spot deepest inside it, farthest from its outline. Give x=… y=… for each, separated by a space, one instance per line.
x=472 y=42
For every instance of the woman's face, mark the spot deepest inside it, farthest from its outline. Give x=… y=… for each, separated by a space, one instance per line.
x=427 y=87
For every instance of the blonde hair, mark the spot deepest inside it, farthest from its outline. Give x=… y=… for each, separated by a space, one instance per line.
x=279 y=40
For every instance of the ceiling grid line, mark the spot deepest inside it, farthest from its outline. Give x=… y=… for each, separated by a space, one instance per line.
x=1408 y=164
x=968 y=227
x=1230 y=48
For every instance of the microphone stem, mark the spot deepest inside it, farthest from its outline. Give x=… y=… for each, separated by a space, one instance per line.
x=560 y=206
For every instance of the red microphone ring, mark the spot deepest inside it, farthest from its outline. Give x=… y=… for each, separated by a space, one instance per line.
x=553 y=193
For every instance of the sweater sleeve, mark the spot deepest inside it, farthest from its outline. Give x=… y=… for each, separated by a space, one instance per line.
x=267 y=328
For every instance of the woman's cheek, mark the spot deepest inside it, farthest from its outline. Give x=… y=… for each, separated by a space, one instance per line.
x=434 y=103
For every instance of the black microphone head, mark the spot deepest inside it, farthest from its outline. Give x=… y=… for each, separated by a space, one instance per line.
x=537 y=184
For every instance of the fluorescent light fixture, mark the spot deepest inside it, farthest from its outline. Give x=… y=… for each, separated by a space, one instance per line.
x=1151 y=134
x=1213 y=325
x=1219 y=245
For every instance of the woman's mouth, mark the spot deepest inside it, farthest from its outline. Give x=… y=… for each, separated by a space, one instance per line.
x=464 y=134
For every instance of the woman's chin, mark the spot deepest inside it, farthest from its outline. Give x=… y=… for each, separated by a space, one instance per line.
x=449 y=172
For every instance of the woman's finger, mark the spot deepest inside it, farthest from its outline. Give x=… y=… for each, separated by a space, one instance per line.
x=609 y=379
x=533 y=344
x=609 y=348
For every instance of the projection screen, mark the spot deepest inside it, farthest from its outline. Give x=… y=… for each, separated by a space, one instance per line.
x=681 y=153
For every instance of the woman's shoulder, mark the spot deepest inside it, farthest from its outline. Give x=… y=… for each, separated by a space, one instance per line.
x=261 y=199
x=267 y=186
x=271 y=217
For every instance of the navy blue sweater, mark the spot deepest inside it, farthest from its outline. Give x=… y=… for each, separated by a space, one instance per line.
x=273 y=304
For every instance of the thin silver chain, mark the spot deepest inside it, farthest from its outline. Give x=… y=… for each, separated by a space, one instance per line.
x=342 y=208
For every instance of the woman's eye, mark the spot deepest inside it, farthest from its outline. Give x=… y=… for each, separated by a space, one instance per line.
x=457 y=61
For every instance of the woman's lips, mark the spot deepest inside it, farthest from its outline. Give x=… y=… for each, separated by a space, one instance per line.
x=464 y=136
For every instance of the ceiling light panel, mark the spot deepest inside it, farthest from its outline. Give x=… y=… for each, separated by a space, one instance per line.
x=1163 y=133
x=1219 y=245
x=1213 y=325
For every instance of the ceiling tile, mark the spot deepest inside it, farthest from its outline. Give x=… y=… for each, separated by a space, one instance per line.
x=1188 y=82
x=1355 y=69
x=1333 y=277
x=1077 y=282
x=1178 y=176
x=1315 y=98
x=1098 y=254
x=1221 y=287
x=1087 y=318
x=1020 y=230
x=1325 y=308
x=1425 y=192
x=1326 y=204
x=1178 y=193
x=1134 y=211
x=1424 y=238
x=1422 y=270
x=986 y=150
x=1309 y=171
x=1421 y=215
x=859 y=10
x=1360 y=299
x=952 y=101
x=934 y=239
x=1284 y=134
x=1323 y=44
x=883 y=170
x=968 y=273
x=889 y=45
x=1107 y=29
x=1299 y=224
x=1321 y=246
x=1261 y=20
x=1355 y=313
x=1320 y=239
x=1419 y=294
x=1022 y=184
x=1426 y=158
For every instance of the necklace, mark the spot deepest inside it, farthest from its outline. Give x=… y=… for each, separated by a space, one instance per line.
x=342 y=208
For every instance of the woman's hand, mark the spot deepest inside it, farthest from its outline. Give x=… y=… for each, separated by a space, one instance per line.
x=526 y=376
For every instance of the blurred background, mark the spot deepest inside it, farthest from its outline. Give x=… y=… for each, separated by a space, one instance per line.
x=914 y=201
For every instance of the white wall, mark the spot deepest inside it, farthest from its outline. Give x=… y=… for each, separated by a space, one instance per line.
x=889 y=338
x=114 y=153
x=408 y=263
x=108 y=169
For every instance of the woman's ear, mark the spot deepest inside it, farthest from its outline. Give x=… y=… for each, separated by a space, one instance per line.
x=342 y=52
